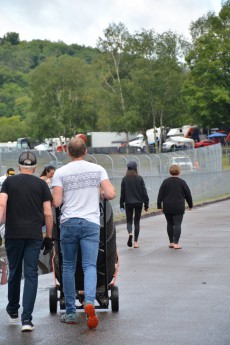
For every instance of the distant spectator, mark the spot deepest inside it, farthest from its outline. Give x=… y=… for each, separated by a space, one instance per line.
x=82 y=136
x=133 y=196
x=9 y=172
x=171 y=199
x=47 y=174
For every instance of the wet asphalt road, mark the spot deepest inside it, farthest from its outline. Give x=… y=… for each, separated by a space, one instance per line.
x=167 y=296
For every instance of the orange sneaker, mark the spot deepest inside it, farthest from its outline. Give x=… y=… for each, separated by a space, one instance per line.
x=92 y=319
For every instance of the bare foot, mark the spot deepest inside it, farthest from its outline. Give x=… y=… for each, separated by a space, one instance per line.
x=136 y=245
x=171 y=245
x=177 y=246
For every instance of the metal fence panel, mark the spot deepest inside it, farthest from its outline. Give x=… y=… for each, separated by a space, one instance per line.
x=10 y=160
x=206 y=180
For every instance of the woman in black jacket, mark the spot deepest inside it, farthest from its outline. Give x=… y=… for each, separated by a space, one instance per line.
x=133 y=196
x=171 y=198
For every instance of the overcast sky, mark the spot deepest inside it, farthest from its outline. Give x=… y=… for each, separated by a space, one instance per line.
x=83 y=21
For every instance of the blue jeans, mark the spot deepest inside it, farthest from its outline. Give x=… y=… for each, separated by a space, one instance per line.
x=18 y=250
x=75 y=232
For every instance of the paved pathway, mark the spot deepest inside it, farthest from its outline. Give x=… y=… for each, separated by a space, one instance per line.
x=167 y=296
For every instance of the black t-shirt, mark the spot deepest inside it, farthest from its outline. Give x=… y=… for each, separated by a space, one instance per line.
x=24 y=212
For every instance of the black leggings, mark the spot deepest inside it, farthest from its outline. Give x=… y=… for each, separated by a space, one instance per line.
x=174 y=226
x=129 y=218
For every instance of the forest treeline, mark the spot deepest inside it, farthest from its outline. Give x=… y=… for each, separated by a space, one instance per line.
x=128 y=83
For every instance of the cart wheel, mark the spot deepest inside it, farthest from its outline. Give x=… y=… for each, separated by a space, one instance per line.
x=115 y=298
x=53 y=300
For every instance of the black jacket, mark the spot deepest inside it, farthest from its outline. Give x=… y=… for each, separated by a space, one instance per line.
x=133 y=191
x=172 y=194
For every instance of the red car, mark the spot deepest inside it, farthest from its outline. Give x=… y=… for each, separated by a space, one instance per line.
x=206 y=142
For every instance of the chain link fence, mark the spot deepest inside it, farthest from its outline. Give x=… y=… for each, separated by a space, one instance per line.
x=201 y=169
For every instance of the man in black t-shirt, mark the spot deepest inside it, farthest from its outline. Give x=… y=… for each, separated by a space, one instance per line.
x=25 y=202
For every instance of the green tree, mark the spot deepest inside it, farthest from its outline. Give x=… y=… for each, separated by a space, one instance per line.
x=142 y=74
x=18 y=60
x=61 y=97
x=11 y=37
x=157 y=79
x=207 y=89
x=113 y=68
x=13 y=128
x=13 y=86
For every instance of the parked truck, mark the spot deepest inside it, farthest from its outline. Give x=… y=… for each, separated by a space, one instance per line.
x=20 y=143
x=177 y=143
x=153 y=138
x=186 y=131
x=181 y=138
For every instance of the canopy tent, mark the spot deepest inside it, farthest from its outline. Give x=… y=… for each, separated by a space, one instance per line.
x=216 y=135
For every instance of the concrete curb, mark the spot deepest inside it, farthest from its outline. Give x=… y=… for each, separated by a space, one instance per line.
x=156 y=213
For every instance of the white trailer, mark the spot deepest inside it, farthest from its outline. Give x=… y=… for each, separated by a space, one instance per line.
x=107 y=139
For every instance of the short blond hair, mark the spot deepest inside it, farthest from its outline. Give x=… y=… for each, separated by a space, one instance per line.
x=174 y=170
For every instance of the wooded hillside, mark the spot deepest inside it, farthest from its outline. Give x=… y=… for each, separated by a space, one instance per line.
x=128 y=83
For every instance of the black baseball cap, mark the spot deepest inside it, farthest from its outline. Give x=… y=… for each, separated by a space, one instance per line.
x=132 y=165
x=27 y=159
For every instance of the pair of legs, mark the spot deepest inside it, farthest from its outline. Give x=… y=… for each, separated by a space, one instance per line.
x=133 y=213
x=19 y=250
x=75 y=232
x=174 y=222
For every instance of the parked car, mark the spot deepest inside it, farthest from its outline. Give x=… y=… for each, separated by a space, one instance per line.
x=184 y=162
x=205 y=142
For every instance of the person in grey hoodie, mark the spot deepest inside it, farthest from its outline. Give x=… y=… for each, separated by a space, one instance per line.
x=171 y=199
x=132 y=197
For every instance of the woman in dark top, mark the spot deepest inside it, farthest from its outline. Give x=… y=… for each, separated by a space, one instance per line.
x=133 y=196
x=171 y=198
